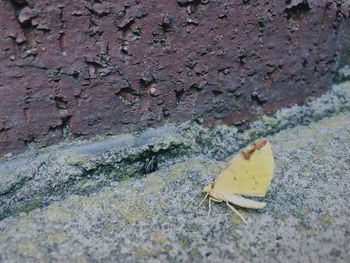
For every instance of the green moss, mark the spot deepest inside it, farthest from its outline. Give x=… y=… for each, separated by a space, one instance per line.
x=65 y=132
x=6 y=184
x=306 y=230
x=127 y=173
x=36 y=202
x=87 y=186
x=9 y=183
x=194 y=253
x=141 y=252
x=159 y=239
x=184 y=242
x=20 y=208
x=304 y=210
x=269 y=121
x=194 y=227
x=325 y=220
x=71 y=157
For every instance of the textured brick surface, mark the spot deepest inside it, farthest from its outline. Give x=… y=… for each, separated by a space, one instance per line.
x=81 y=68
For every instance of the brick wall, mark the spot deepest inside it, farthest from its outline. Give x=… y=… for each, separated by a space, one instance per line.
x=81 y=68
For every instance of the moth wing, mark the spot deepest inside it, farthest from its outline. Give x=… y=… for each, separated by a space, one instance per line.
x=249 y=172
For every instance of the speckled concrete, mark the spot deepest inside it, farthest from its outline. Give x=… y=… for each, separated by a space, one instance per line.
x=154 y=218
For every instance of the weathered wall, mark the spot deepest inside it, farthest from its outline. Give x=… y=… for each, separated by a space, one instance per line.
x=345 y=44
x=81 y=68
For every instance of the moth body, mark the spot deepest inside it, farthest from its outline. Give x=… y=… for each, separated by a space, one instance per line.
x=233 y=198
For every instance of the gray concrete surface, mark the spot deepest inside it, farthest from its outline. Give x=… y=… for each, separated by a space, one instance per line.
x=153 y=218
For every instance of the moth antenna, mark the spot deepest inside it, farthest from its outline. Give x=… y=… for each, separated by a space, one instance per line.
x=234 y=210
x=205 y=197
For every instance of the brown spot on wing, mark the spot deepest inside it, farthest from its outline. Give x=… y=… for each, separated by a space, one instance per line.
x=250 y=149
x=258 y=144
x=247 y=153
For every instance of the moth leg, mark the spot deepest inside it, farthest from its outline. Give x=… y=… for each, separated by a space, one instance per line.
x=234 y=210
x=212 y=199
x=216 y=200
x=209 y=208
x=205 y=197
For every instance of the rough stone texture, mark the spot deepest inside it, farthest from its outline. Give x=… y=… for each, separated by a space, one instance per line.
x=37 y=178
x=81 y=68
x=154 y=219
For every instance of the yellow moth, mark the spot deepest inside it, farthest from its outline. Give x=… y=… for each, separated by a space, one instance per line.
x=249 y=173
